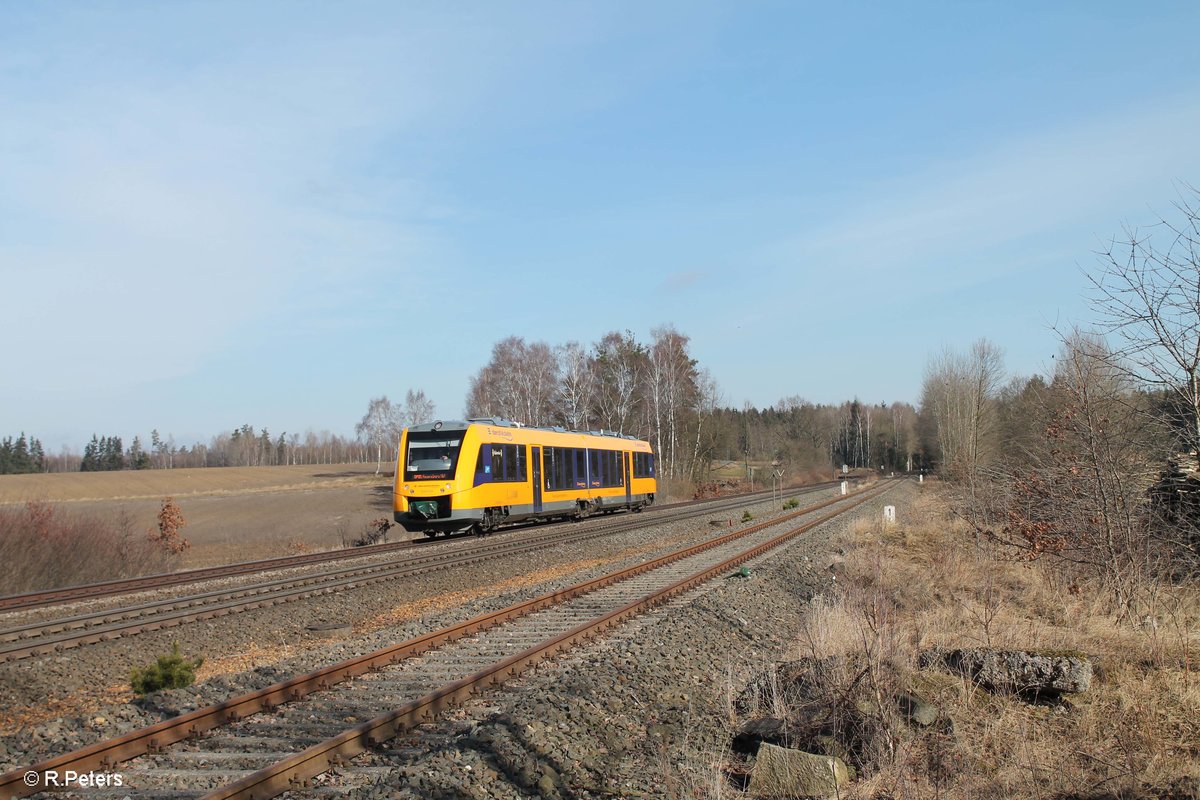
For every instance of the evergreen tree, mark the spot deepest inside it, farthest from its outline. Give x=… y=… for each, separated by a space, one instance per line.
x=37 y=456
x=137 y=457
x=20 y=455
x=91 y=456
x=114 y=454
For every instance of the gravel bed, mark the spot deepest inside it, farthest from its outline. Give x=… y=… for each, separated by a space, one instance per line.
x=10 y=619
x=644 y=712
x=86 y=690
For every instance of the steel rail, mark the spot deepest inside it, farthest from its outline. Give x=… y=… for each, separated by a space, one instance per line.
x=53 y=636
x=90 y=591
x=106 y=755
x=297 y=770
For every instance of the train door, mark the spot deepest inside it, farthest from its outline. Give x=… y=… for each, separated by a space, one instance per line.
x=626 y=458
x=537 y=478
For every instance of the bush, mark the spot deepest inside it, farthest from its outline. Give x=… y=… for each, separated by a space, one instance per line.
x=792 y=503
x=747 y=516
x=170 y=520
x=44 y=547
x=374 y=533
x=171 y=671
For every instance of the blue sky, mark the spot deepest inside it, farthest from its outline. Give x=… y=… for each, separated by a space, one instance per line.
x=218 y=213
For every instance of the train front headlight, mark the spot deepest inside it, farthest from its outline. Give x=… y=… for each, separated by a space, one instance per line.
x=446 y=488
x=407 y=488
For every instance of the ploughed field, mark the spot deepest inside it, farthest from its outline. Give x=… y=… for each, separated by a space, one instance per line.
x=232 y=513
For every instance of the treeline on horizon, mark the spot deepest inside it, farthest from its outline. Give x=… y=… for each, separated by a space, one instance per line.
x=244 y=447
x=652 y=390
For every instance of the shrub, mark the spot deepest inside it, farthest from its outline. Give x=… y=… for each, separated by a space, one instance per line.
x=747 y=516
x=375 y=532
x=170 y=520
x=792 y=503
x=171 y=671
x=44 y=547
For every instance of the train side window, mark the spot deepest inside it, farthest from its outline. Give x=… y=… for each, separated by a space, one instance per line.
x=580 y=469
x=610 y=471
x=520 y=472
x=558 y=468
x=643 y=465
x=507 y=463
x=483 y=464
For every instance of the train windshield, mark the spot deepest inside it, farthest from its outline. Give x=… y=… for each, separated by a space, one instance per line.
x=431 y=457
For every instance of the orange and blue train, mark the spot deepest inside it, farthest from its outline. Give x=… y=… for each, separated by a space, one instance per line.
x=480 y=474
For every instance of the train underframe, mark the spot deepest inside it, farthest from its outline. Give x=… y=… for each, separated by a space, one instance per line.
x=432 y=518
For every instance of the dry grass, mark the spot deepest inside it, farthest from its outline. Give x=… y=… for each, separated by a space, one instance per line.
x=44 y=547
x=233 y=513
x=927 y=583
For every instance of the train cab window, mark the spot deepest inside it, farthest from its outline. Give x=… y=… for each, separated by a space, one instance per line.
x=431 y=458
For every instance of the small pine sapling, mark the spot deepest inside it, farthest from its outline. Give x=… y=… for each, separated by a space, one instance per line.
x=171 y=671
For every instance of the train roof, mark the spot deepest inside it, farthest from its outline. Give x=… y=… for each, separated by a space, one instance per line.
x=496 y=422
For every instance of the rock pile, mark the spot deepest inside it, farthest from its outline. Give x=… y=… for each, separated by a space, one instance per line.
x=1028 y=674
x=814 y=724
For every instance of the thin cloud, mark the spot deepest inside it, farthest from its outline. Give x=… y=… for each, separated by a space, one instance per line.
x=1027 y=188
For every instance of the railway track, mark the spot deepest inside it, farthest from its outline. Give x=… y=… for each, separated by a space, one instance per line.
x=264 y=743
x=48 y=637
x=91 y=591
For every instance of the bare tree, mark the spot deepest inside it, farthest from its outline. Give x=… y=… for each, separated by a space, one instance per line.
x=417 y=409
x=378 y=427
x=670 y=390
x=519 y=383
x=958 y=394
x=708 y=403
x=576 y=387
x=618 y=365
x=1147 y=295
x=1074 y=491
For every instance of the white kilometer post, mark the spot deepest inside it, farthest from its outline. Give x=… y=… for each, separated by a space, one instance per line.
x=845 y=484
x=889 y=516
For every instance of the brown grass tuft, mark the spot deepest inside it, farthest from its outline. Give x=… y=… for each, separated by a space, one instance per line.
x=928 y=583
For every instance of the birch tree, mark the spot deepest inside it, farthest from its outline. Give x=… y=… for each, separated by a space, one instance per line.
x=958 y=394
x=618 y=366
x=576 y=386
x=519 y=383
x=418 y=409
x=378 y=427
x=670 y=394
